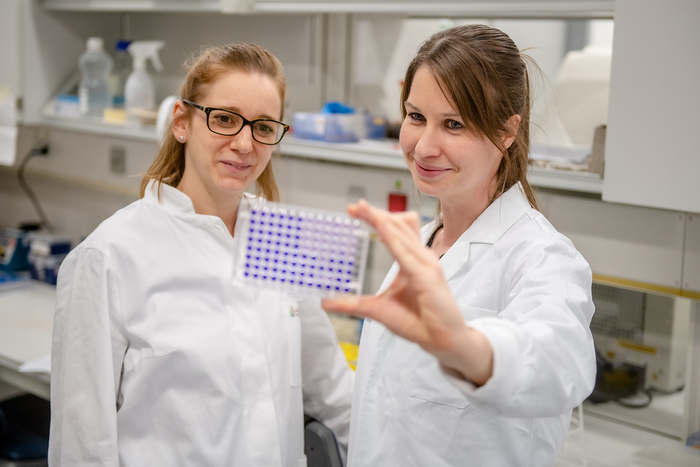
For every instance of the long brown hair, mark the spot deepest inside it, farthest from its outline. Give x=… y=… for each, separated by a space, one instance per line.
x=169 y=164
x=481 y=69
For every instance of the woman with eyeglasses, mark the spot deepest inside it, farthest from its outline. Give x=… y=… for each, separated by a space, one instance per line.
x=158 y=357
x=478 y=345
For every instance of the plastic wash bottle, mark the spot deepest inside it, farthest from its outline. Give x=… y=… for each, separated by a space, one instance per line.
x=94 y=92
x=139 y=92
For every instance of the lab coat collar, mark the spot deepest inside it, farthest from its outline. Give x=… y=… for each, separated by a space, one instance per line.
x=178 y=202
x=170 y=197
x=499 y=216
x=496 y=219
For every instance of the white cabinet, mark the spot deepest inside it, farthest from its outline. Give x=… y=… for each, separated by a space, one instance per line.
x=691 y=260
x=629 y=245
x=652 y=156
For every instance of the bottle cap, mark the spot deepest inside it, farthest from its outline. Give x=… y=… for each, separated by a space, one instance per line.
x=123 y=45
x=95 y=43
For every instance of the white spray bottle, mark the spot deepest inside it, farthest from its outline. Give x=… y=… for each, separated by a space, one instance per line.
x=139 y=92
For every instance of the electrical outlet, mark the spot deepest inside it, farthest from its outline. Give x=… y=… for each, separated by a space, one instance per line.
x=117 y=160
x=42 y=136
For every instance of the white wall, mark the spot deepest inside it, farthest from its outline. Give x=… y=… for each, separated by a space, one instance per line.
x=74 y=205
x=294 y=39
x=383 y=47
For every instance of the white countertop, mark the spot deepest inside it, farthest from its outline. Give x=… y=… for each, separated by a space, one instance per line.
x=26 y=324
x=607 y=443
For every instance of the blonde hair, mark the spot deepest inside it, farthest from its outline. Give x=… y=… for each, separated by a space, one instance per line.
x=481 y=69
x=169 y=164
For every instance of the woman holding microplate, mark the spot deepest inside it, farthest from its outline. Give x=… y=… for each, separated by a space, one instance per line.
x=159 y=358
x=477 y=347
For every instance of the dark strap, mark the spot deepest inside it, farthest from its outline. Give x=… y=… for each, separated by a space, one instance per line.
x=432 y=238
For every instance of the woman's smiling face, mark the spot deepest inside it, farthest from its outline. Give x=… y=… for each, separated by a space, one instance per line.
x=446 y=160
x=219 y=166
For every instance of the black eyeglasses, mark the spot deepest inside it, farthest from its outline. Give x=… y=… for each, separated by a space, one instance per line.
x=227 y=123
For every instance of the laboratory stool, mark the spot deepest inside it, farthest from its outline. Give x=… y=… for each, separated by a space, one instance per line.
x=320 y=445
x=24 y=431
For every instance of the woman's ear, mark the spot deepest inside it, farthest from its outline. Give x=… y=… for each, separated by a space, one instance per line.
x=180 y=121
x=512 y=125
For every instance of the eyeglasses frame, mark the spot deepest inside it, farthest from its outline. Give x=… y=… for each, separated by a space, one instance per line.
x=246 y=122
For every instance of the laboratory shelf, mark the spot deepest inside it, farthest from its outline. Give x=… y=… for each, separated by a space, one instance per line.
x=567 y=180
x=136 y=132
x=388 y=155
x=383 y=154
x=452 y=8
x=134 y=5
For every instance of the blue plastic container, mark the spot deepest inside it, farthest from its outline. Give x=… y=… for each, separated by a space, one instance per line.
x=334 y=128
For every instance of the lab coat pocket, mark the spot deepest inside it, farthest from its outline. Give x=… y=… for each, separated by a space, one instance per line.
x=423 y=379
x=291 y=316
x=421 y=374
x=134 y=357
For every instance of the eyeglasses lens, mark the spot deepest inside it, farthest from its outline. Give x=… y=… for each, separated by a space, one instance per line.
x=228 y=123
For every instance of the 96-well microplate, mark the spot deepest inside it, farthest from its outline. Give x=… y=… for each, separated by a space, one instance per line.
x=300 y=249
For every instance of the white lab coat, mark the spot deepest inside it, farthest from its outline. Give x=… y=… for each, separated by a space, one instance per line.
x=159 y=359
x=522 y=284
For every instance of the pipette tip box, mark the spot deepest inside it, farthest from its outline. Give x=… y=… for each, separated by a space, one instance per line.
x=300 y=250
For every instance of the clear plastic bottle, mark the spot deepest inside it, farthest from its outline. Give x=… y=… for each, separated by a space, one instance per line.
x=95 y=66
x=122 y=70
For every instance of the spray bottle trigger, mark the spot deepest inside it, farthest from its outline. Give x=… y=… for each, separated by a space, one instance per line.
x=156 y=62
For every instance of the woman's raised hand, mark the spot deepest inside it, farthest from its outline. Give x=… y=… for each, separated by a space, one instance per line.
x=418 y=305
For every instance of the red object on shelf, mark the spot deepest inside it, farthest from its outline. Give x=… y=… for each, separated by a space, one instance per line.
x=397 y=202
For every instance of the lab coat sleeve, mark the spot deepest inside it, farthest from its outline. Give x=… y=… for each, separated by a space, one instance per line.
x=544 y=359
x=86 y=361
x=326 y=377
